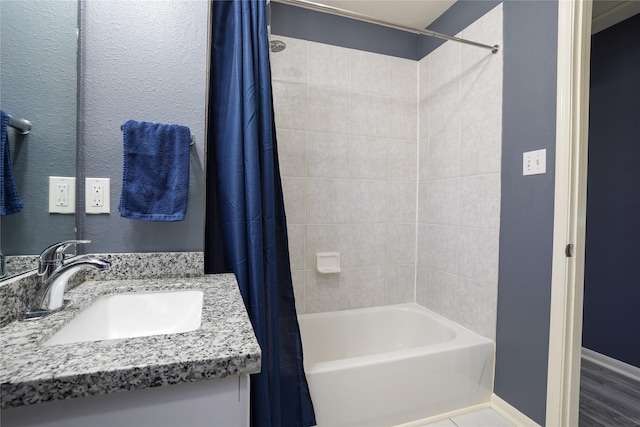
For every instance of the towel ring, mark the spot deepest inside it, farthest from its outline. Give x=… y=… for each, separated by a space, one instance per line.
x=192 y=137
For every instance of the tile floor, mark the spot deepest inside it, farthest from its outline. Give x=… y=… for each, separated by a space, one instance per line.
x=482 y=418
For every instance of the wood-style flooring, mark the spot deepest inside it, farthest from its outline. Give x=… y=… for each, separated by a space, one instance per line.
x=607 y=399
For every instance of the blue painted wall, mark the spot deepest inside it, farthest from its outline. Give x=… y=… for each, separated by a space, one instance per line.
x=526 y=219
x=526 y=235
x=612 y=271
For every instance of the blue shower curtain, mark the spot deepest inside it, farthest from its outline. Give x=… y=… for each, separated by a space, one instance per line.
x=246 y=230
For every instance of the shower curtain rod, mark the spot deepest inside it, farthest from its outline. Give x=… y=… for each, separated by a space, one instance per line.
x=371 y=19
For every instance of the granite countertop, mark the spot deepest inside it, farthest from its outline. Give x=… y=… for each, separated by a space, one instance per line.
x=224 y=345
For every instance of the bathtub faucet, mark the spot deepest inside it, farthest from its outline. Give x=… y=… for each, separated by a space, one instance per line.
x=55 y=273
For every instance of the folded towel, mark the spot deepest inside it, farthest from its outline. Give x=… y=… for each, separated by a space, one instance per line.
x=155 y=176
x=10 y=202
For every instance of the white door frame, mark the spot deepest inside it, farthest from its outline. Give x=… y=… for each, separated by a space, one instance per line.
x=567 y=282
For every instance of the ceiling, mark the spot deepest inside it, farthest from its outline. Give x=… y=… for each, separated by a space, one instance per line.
x=409 y=13
x=421 y=13
x=609 y=12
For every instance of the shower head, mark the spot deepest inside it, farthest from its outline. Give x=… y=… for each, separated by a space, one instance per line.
x=277 y=45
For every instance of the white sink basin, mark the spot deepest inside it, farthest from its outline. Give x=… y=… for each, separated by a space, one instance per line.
x=134 y=314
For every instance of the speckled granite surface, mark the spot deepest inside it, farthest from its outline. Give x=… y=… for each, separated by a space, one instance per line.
x=17 y=293
x=20 y=264
x=150 y=265
x=224 y=345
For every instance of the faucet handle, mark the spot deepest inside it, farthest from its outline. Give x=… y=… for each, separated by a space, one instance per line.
x=53 y=256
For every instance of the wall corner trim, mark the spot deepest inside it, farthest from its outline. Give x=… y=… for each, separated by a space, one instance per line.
x=509 y=412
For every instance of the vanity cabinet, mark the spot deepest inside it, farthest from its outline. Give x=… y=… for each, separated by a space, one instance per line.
x=216 y=403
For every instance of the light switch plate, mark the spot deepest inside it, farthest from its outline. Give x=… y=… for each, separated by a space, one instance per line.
x=534 y=162
x=62 y=194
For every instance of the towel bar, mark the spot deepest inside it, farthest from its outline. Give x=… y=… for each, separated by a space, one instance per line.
x=22 y=126
x=190 y=143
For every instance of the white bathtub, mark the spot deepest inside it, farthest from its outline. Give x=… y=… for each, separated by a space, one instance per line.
x=383 y=366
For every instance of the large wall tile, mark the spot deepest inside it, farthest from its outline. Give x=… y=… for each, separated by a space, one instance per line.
x=400 y=287
x=480 y=201
x=325 y=292
x=423 y=118
x=401 y=199
x=401 y=244
x=442 y=246
x=480 y=103
x=323 y=238
x=367 y=201
x=424 y=169
x=402 y=158
x=365 y=244
x=290 y=65
x=369 y=115
x=369 y=72
x=297 y=239
x=475 y=306
x=294 y=193
x=291 y=105
x=443 y=202
x=327 y=201
x=444 y=67
x=444 y=110
x=478 y=255
x=366 y=287
x=327 y=155
x=367 y=157
x=328 y=110
x=481 y=148
x=329 y=66
x=403 y=78
x=297 y=277
x=423 y=78
x=403 y=119
x=291 y=152
x=444 y=155
x=440 y=292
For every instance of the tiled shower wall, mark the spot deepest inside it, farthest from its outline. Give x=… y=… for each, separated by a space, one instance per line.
x=459 y=178
x=347 y=141
x=348 y=125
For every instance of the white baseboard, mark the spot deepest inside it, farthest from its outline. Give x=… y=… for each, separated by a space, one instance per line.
x=511 y=413
x=612 y=364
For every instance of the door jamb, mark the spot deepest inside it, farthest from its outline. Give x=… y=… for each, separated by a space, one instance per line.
x=567 y=283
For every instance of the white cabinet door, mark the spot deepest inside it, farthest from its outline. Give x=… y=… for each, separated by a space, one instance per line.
x=216 y=403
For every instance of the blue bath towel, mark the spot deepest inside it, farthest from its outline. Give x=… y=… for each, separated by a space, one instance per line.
x=10 y=202
x=155 y=176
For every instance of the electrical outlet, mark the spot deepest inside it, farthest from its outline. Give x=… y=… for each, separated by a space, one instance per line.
x=534 y=162
x=62 y=194
x=96 y=195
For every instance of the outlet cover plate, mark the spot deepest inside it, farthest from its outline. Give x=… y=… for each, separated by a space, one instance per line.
x=97 y=195
x=62 y=194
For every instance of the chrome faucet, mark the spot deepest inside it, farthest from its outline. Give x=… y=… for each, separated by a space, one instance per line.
x=55 y=273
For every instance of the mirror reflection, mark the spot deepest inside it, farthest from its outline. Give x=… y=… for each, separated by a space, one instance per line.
x=39 y=83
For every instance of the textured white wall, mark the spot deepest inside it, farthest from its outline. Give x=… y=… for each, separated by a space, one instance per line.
x=142 y=60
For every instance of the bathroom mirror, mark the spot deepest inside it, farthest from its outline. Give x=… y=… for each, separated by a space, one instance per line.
x=39 y=57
